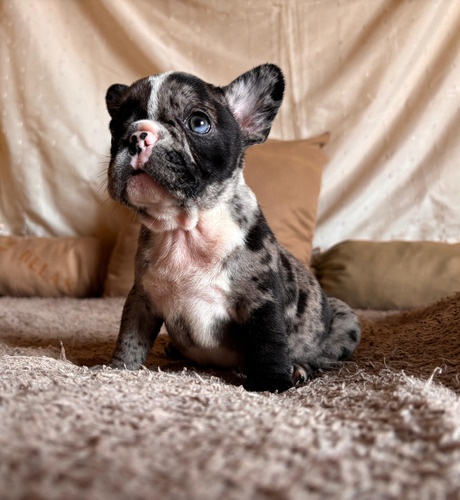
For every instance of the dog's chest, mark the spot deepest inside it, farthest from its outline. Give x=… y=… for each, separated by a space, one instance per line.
x=187 y=280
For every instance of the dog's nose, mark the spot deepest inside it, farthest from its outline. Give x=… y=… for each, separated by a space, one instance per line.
x=142 y=139
x=140 y=147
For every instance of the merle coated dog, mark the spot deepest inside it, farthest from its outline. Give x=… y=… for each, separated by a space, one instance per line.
x=207 y=264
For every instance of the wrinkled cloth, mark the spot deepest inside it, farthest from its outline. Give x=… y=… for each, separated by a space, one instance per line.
x=381 y=76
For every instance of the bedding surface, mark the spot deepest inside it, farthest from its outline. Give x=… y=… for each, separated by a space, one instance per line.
x=384 y=425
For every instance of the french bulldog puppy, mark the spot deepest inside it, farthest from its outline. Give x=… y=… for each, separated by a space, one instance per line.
x=207 y=264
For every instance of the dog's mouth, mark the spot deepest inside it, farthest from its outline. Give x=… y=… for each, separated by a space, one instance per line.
x=138 y=172
x=138 y=161
x=155 y=206
x=142 y=191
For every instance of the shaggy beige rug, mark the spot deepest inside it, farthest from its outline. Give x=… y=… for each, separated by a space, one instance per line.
x=384 y=425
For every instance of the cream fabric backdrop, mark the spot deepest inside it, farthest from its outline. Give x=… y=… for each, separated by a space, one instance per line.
x=382 y=76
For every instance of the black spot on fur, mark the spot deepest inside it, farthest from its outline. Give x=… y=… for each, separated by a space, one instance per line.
x=344 y=354
x=352 y=334
x=259 y=231
x=301 y=302
x=287 y=266
x=263 y=287
x=238 y=213
x=269 y=282
x=266 y=259
x=254 y=239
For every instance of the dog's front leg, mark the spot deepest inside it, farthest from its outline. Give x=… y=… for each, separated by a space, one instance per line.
x=138 y=330
x=265 y=349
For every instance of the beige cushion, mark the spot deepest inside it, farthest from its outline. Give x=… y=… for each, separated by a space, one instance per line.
x=389 y=275
x=120 y=272
x=51 y=267
x=286 y=178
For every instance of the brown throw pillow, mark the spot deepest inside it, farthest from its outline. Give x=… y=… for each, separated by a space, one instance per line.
x=51 y=267
x=389 y=275
x=120 y=273
x=286 y=178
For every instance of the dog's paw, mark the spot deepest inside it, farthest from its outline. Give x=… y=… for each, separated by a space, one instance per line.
x=96 y=368
x=274 y=383
x=300 y=375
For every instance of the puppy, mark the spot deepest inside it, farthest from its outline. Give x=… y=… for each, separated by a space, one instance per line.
x=207 y=264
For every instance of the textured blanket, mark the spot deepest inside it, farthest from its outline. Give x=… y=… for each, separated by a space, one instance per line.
x=384 y=425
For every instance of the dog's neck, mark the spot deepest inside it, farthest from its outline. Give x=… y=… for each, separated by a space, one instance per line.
x=213 y=235
x=177 y=219
x=204 y=235
x=166 y=215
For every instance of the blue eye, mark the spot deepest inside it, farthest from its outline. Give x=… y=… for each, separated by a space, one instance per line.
x=199 y=123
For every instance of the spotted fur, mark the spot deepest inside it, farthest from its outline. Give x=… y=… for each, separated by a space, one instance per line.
x=208 y=264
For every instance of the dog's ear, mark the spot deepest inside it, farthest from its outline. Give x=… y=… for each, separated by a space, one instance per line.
x=254 y=99
x=114 y=97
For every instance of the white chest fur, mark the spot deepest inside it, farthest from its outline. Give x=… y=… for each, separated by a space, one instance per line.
x=188 y=283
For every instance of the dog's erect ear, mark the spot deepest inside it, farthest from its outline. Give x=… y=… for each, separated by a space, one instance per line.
x=114 y=97
x=254 y=99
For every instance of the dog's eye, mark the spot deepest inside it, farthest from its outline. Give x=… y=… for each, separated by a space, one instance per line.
x=199 y=123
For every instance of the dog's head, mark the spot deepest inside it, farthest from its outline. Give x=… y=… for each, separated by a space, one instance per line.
x=178 y=141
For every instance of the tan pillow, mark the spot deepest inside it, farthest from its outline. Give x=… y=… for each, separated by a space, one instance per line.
x=51 y=267
x=120 y=273
x=286 y=178
x=389 y=275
